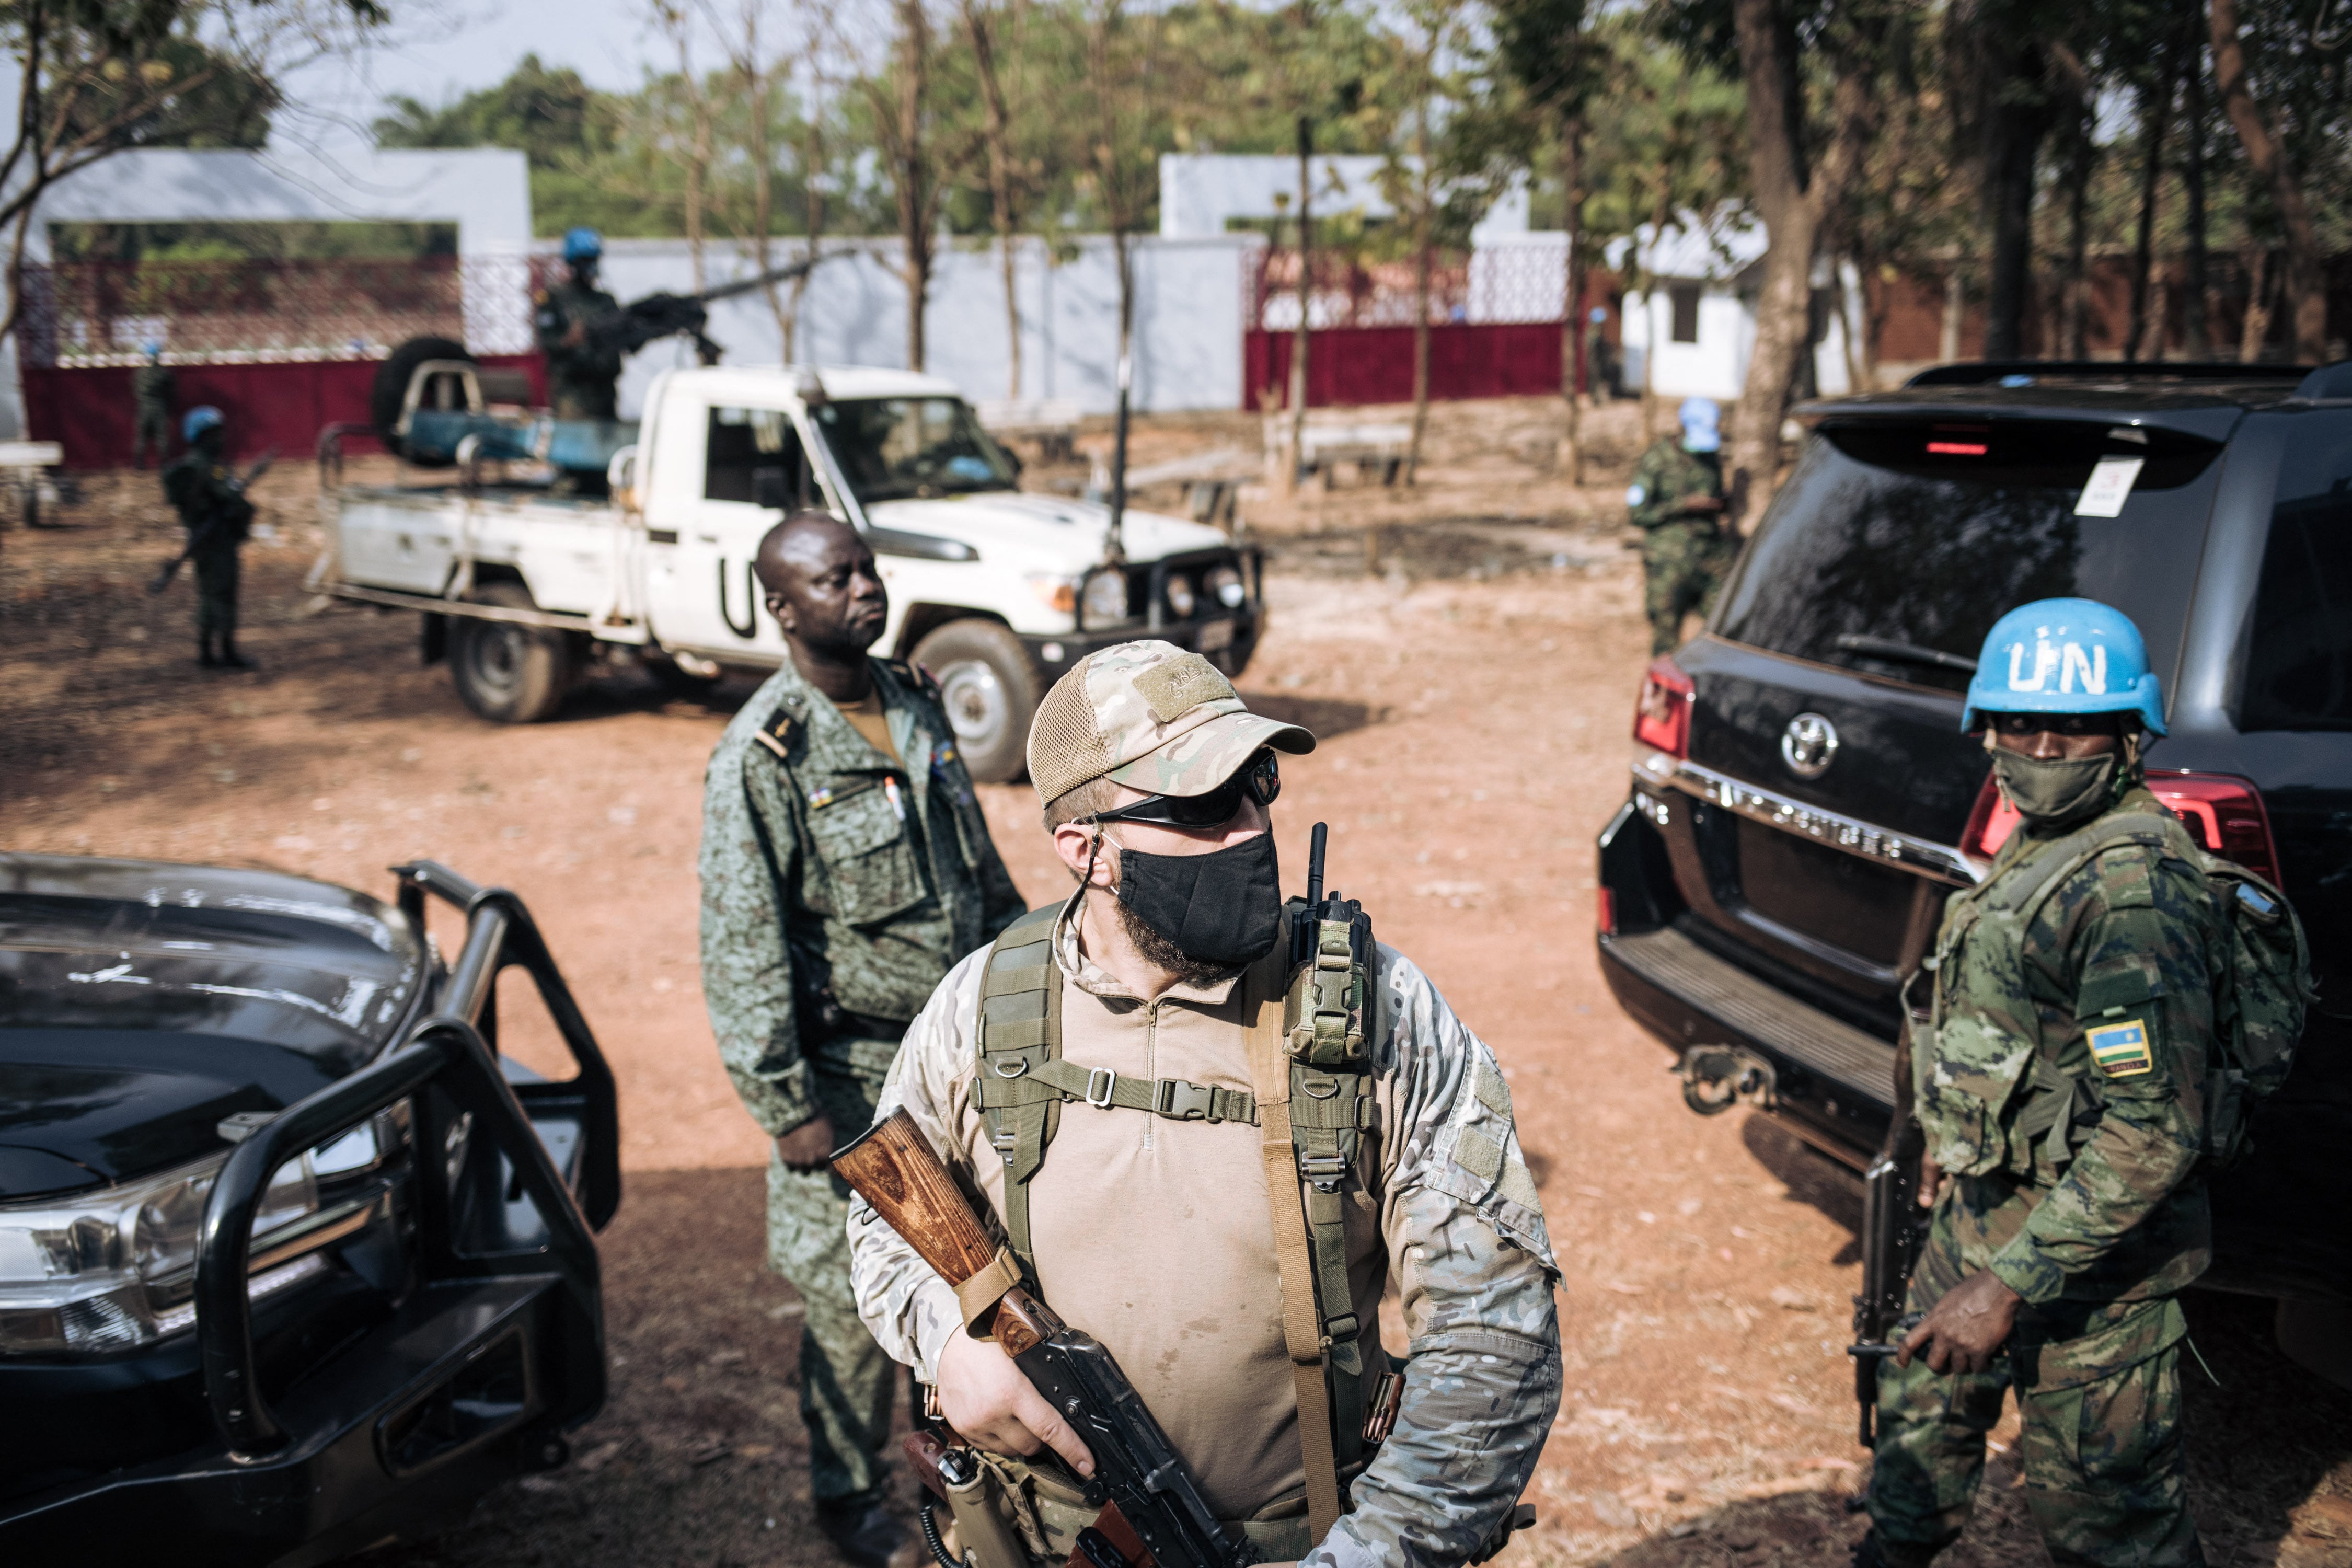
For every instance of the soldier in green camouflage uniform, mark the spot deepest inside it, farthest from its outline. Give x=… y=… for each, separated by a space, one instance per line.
x=2061 y=1085
x=217 y=515
x=152 y=387
x=841 y=878
x=1677 y=501
x=581 y=376
x=1149 y=1218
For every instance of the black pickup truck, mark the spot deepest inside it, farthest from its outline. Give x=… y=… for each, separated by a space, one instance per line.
x=291 y=1262
x=1803 y=800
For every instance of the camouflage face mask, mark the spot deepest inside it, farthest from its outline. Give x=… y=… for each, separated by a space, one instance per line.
x=2057 y=790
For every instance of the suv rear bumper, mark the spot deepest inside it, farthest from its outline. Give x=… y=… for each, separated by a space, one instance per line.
x=465 y=1384
x=1831 y=1083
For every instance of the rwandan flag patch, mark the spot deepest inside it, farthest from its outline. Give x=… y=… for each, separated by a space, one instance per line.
x=2121 y=1049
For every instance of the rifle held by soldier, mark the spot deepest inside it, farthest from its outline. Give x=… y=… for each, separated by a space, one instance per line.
x=656 y=316
x=1891 y=1235
x=1150 y=1499
x=200 y=537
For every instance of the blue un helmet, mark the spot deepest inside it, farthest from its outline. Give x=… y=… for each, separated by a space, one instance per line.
x=583 y=244
x=2064 y=655
x=198 y=420
x=1701 y=424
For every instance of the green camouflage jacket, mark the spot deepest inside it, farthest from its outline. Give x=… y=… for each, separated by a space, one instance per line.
x=2072 y=1070
x=833 y=879
x=560 y=305
x=211 y=507
x=1666 y=478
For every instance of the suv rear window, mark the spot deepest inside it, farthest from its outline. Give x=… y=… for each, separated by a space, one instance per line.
x=1897 y=543
x=2299 y=667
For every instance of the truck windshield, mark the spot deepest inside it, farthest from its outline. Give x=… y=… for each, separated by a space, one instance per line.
x=1897 y=543
x=895 y=449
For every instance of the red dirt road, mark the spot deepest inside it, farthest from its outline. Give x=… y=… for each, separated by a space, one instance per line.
x=1473 y=744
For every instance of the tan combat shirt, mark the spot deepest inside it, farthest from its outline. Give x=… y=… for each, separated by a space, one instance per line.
x=1153 y=1235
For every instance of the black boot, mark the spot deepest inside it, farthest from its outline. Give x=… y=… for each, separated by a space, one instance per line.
x=204 y=651
x=229 y=658
x=864 y=1533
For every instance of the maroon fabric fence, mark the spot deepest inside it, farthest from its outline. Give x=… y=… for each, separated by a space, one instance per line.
x=1347 y=365
x=89 y=409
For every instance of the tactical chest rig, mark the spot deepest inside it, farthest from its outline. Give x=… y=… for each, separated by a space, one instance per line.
x=1308 y=1012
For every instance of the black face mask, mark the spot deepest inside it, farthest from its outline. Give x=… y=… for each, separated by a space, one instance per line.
x=1221 y=908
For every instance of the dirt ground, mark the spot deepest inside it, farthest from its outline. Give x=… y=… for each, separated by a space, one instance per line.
x=1468 y=653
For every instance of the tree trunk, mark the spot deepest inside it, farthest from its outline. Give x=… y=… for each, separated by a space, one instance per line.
x=1423 y=190
x=1298 y=341
x=2083 y=156
x=2303 y=285
x=2254 y=331
x=2156 y=115
x=1792 y=223
x=1571 y=338
x=998 y=128
x=813 y=201
x=2013 y=147
x=914 y=172
x=2196 y=280
x=1956 y=309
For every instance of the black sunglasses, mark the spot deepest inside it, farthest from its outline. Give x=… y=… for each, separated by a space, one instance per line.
x=2015 y=724
x=1261 y=781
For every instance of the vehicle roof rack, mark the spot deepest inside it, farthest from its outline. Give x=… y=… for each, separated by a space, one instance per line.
x=1986 y=373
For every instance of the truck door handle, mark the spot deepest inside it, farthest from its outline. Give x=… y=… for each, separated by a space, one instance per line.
x=706 y=538
x=661 y=536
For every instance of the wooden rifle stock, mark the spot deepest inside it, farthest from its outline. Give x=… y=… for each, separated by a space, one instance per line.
x=891 y=1167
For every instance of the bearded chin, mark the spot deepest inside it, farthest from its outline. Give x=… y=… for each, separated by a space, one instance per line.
x=1160 y=952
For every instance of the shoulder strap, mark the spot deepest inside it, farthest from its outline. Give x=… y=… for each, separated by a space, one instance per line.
x=1020 y=1031
x=1302 y=1333
x=2036 y=878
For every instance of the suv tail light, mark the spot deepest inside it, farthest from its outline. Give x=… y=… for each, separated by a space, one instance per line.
x=2223 y=812
x=1662 y=718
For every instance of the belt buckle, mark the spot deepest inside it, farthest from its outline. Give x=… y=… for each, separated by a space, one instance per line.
x=1109 y=1080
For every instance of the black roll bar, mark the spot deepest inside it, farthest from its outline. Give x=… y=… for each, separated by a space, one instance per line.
x=446 y=1052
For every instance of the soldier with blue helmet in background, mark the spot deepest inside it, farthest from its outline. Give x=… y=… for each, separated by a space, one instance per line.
x=2072 y=1070
x=582 y=375
x=213 y=509
x=1677 y=501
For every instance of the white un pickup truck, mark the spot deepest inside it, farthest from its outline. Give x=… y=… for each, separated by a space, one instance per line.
x=995 y=591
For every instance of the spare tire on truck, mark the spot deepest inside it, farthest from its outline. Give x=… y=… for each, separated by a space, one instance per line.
x=390 y=393
x=506 y=671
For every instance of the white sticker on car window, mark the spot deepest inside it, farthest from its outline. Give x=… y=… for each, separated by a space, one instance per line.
x=2110 y=486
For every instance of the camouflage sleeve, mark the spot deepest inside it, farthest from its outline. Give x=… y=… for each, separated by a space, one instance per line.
x=1472 y=1260
x=907 y=1307
x=2143 y=995
x=749 y=848
x=1648 y=482
x=548 y=325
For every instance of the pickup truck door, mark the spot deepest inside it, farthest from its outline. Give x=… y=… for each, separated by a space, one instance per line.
x=721 y=477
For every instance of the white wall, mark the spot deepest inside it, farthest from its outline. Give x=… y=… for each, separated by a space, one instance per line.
x=1716 y=365
x=1188 y=325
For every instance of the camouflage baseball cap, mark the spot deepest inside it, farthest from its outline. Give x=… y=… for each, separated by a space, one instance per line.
x=1152 y=716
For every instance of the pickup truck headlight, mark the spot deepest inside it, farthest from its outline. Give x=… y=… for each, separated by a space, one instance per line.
x=1226 y=582
x=1104 y=598
x=1181 y=600
x=114 y=1269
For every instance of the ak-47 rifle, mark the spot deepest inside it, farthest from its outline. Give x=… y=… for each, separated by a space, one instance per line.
x=200 y=537
x=641 y=321
x=1891 y=1235
x=1154 y=1512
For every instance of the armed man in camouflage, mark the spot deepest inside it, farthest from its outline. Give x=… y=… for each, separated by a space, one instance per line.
x=582 y=375
x=846 y=867
x=2062 y=1079
x=1676 y=499
x=1146 y=1221
x=152 y=389
x=217 y=515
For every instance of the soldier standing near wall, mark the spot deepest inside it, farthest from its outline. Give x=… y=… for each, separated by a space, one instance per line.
x=583 y=376
x=214 y=511
x=152 y=386
x=1677 y=501
x=846 y=867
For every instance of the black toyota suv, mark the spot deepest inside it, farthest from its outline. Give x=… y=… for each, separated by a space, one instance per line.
x=291 y=1260
x=1803 y=800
